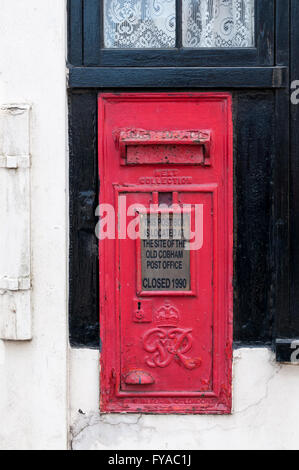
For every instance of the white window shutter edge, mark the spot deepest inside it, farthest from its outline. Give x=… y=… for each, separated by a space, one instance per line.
x=15 y=246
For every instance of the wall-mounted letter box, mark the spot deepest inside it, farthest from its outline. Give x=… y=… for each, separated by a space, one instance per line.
x=166 y=249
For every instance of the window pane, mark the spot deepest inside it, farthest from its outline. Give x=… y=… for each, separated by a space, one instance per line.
x=145 y=24
x=218 y=23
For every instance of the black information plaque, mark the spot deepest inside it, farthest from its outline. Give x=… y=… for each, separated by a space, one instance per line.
x=165 y=261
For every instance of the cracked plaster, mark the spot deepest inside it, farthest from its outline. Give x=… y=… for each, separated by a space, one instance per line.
x=265 y=412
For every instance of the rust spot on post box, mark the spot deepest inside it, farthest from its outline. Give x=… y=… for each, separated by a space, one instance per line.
x=139 y=377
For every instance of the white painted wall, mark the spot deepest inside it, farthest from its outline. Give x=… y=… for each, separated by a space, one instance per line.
x=33 y=374
x=265 y=415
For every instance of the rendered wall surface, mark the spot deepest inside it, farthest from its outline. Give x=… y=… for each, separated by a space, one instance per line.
x=265 y=411
x=33 y=374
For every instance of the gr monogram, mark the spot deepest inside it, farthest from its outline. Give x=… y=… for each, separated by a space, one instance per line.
x=167 y=342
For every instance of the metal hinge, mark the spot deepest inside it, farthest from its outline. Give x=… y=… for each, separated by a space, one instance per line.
x=14 y=162
x=15 y=284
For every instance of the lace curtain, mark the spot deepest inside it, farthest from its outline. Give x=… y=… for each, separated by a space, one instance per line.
x=140 y=23
x=151 y=24
x=218 y=23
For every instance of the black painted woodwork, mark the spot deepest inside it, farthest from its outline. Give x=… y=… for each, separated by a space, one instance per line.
x=254 y=154
x=287 y=315
x=187 y=77
x=266 y=160
x=84 y=267
x=86 y=43
x=294 y=184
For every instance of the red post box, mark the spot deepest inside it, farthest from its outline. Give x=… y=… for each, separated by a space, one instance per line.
x=166 y=250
